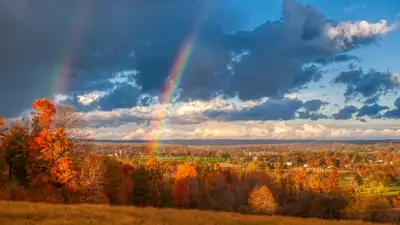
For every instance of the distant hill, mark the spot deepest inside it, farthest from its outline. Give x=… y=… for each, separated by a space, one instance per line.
x=255 y=141
x=17 y=213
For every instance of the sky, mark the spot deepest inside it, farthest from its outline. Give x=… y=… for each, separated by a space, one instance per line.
x=207 y=69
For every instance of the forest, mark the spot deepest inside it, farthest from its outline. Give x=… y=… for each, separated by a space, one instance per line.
x=40 y=161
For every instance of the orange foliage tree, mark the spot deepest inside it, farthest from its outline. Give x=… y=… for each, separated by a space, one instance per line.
x=38 y=154
x=333 y=180
x=3 y=128
x=262 y=201
x=50 y=151
x=181 y=189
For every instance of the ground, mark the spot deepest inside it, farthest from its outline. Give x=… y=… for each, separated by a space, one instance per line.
x=18 y=213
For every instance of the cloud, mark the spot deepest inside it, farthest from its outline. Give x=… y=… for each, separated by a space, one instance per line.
x=314 y=105
x=345 y=113
x=255 y=130
x=397 y=103
x=86 y=43
x=369 y=85
x=372 y=111
x=351 y=34
x=182 y=113
x=199 y=112
x=272 y=109
x=311 y=115
x=395 y=77
x=394 y=113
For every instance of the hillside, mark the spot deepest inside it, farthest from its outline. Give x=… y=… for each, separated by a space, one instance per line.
x=18 y=213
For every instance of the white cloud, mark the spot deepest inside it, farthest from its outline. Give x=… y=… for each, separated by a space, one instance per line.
x=90 y=97
x=61 y=98
x=180 y=113
x=395 y=78
x=187 y=121
x=345 y=32
x=125 y=77
x=251 y=130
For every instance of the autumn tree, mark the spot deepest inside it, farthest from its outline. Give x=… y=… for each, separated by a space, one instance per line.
x=254 y=166
x=50 y=150
x=44 y=112
x=181 y=188
x=333 y=180
x=143 y=193
x=3 y=131
x=15 y=148
x=112 y=172
x=3 y=128
x=91 y=180
x=70 y=121
x=299 y=181
x=262 y=201
x=368 y=199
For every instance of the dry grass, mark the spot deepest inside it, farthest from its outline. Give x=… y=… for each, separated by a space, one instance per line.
x=18 y=213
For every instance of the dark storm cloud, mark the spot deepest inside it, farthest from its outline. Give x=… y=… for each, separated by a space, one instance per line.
x=91 y=40
x=342 y=58
x=394 y=113
x=367 y=85
x=94 y=37
x=311 y=115
x=98 y=120
x=372 y=111
x=345 y=113
x=309 y=73
x=397 y=102
x=314 y=105
x=118 y=117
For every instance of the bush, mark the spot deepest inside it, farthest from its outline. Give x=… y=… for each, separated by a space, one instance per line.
x=262 y=201
x=376 y=210
x=14 y=192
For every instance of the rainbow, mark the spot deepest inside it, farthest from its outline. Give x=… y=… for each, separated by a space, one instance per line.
x=174 y=79
x=60 y=77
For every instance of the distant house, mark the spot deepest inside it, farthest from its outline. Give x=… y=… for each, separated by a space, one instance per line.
x=289 y=163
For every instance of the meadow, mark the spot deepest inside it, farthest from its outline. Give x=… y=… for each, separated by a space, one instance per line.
x=21 y=213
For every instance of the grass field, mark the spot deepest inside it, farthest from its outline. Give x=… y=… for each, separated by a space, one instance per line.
x=18 y=213
x=183 y=158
